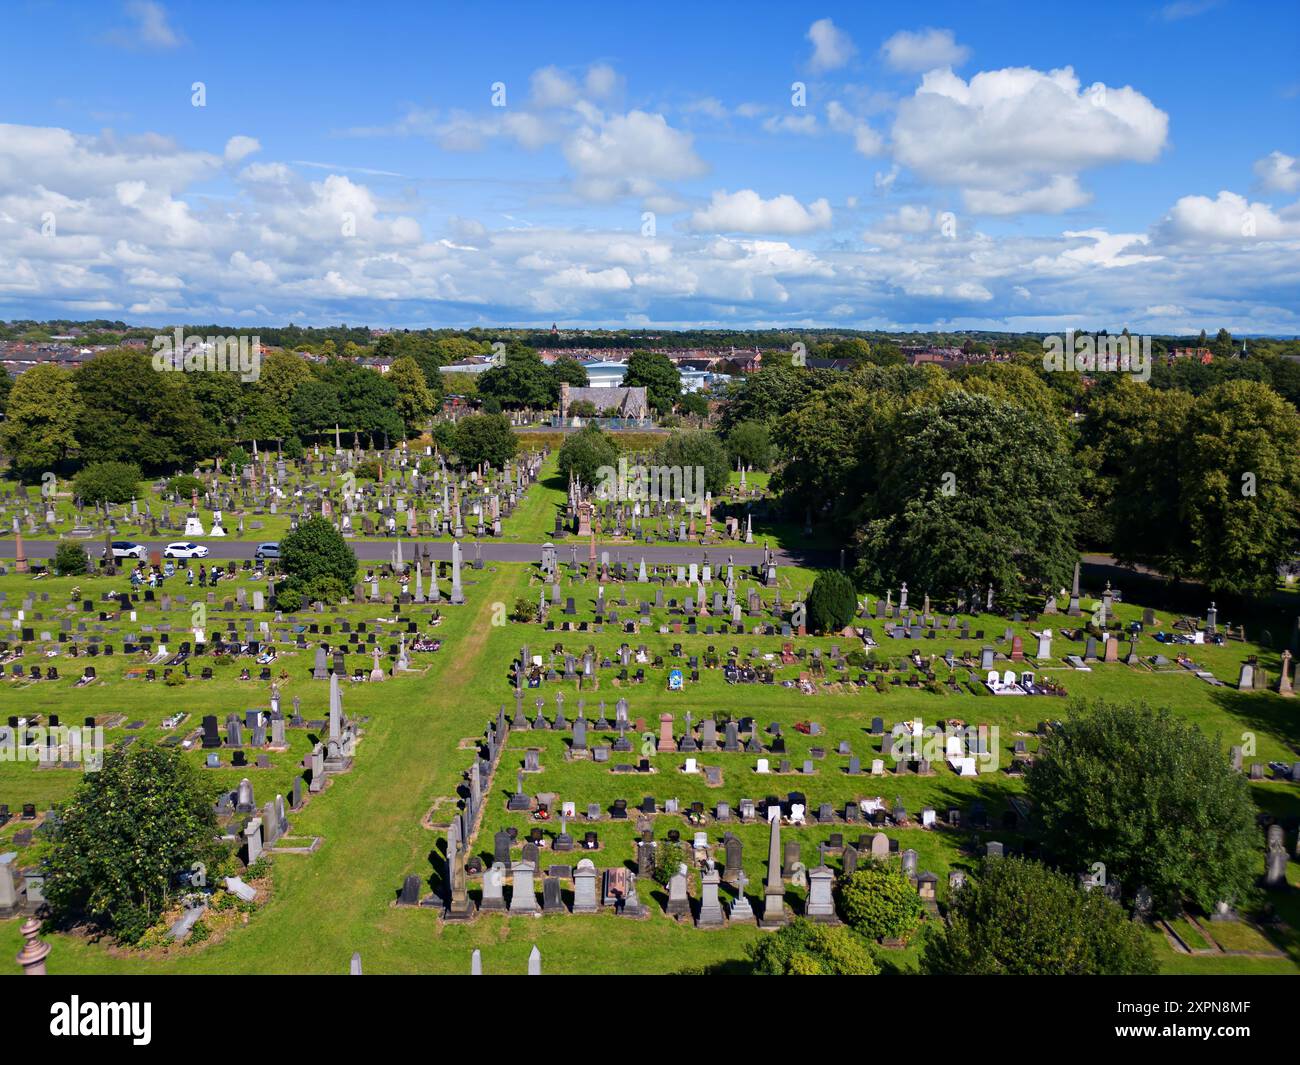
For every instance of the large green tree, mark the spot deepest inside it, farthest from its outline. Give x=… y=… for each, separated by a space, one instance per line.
x=131 y=827
x=1019 y=918
x=40 y=425
x=415 y=399
x=972 y=491
x=131 y=412
x=584 y=453
x=659 y=375
x=1153 y=799
x=750 y=444
x=486 y=438
x=1240 y=491
x=520 y=380
x=320 y=564
x=699 y=450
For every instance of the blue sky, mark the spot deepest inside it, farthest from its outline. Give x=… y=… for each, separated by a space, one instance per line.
x=867 y=165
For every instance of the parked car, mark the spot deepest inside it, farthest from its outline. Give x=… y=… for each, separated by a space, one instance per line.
x=128 y=549
x=185 y=549
x=271 y=549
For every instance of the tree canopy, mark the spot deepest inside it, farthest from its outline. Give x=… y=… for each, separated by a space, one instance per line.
x=1153 y=799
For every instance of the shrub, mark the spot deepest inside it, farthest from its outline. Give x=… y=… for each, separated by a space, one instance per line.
x=1021 y=918
x=832 y=603
x=879 y=902
x=803 y=948
x=70 y=560
x=184 y=486
x=108 y=482
x=525 y=610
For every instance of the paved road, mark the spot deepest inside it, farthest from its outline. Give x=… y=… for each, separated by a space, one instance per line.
x=492 y=551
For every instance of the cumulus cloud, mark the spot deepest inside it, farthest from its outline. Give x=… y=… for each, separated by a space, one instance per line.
x=923 y=50
x=626 y=154
x=832 y=47
x=746 y=211
x=1228 y=218
x=1016 y=139
x=145 y=234
x=1278 y=173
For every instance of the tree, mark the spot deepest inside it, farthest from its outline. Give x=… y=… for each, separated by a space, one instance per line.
x=658 y=374
x=803 y=948
x=368 y=402
x=570 y=371
x=415 y=401
x=6 y=386
x=775 y=390
x=832 y=603
x=41 y=417
x=584 y=453
x=975 y=491
x=1021 y=918
x=108 y=482
x=1240 y=487
x=318 y=561
x=694 y=404
x=486 y=438
x=750 y=444
x=315 y=408
x=1135 y=505
x=1150 y=797
x=824 y=446
x=521 y=380
x=131 y=412
x=70 y=560
x=130 y=828
x=880 y=902
x=700 y=449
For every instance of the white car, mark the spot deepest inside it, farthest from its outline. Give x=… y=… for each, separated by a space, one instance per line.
x=185 y=549
x=128 y=549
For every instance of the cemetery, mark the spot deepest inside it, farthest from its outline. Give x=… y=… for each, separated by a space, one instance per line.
x=446 y=768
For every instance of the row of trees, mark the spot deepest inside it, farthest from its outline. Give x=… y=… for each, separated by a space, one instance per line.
x=999 y=472
x=117 y=407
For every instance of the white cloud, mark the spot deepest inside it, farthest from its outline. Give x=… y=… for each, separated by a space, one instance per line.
x=832 y=47
x=747 y=212
x=1228 y=218
x=1278 y=172
x=804 y=125
x=626 y=154
x=1061 y=193
x=552 y=87
x=1015 y=139
x=149 y=27
x=240 y=147
x=923 y=50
